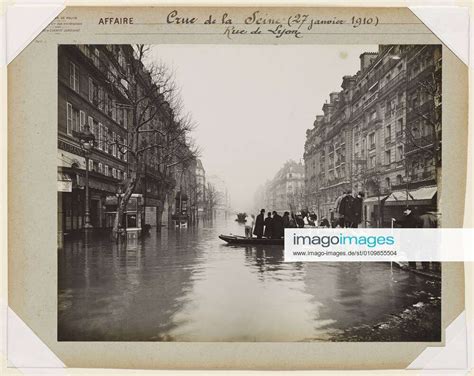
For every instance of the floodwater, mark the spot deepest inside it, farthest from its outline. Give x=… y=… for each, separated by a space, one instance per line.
x=188 y=285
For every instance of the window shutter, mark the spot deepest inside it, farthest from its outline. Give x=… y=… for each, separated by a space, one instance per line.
x=91 y=90
x=69 y=119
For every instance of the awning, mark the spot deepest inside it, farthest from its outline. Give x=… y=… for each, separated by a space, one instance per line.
x=419 y=196
x=64 y=182
x=375 y=199
x=424 y=193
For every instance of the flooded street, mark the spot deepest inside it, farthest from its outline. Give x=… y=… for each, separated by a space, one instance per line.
x=188 y=285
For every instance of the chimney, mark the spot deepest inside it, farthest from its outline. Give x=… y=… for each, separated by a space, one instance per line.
x=348 y=82
x=366 y=59
x=333 y=97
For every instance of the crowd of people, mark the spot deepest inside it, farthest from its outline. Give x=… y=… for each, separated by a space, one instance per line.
x=273 y=225
x=347 y=213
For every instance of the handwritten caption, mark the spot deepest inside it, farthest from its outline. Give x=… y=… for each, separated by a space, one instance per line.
x=294 y=25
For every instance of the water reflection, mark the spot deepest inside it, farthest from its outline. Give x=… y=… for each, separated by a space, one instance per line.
x=187 y=285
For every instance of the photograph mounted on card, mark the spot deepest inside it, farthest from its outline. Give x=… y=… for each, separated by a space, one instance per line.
x=173 y=148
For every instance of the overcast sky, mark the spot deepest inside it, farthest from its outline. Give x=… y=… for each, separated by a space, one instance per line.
x=253 y=103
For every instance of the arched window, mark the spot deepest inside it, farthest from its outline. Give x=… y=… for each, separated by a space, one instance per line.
x=399 y=179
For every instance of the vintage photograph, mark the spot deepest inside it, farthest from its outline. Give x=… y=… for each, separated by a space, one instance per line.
x=180 y=166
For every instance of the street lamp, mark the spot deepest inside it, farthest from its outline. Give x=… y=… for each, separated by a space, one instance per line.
x=87 y=139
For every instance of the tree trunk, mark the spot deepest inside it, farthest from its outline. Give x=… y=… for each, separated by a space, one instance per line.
x=131 y=185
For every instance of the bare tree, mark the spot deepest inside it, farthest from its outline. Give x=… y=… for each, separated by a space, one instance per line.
x=425 y=135
x=156 y=124
x=213 y=199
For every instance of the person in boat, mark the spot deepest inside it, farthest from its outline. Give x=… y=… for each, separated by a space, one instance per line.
x=259 y=223
x=277 y=226
x=268 y=226
x=249 y=222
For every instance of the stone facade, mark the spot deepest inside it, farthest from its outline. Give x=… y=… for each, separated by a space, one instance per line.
x=380 y=133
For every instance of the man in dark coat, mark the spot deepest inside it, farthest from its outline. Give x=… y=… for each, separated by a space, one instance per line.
x=286 y=219
x=268 y=226
x=357 y=209
x=258 y=228
x=429 y=220
x=409 y=220
x=278 y=231
x=346 y=209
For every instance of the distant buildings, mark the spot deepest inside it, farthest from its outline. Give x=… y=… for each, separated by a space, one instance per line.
x=381 y=134
x=285 y=192
x=217 y=198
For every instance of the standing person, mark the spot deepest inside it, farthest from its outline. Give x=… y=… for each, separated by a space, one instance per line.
x=409 y=220
x=346 y=210
x=258 y=229
x=338 y=212
x=278 y=231
x=268 y=226
x=249 y=222
x=429 y=220
x=286 y=220
x=299 y=221
x=357 y=209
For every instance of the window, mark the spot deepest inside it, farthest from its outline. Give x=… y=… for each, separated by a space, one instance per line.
x=125 y=118
x=388 y=133
x=387 y=157
x=82 y=120
x=120 y=115
x=399 y=126
x=73 y=120
x=90 y=122
x=114 y=172
x=100 y=141
x=400 y=152
x=114 y=145
x=73 y=77
x=372 y=140
x=372 y=161
x=101 y=98
x=91 y=165
x=387 y=182
x=106 y=139
x=399 y=179
x=124 y=176
x=114 y=110
x=107 y=104
x=101 y=168
x=106 y=170
x=95 y=55
x=93 y=92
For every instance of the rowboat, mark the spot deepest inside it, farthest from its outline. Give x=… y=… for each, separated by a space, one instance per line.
x=235 y=239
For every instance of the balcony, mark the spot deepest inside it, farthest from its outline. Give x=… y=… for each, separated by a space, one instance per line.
x=388 y=139
x=399 y=78
x=373 y=122
x=417 y=110
x=372 y=146
x=399 y=133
